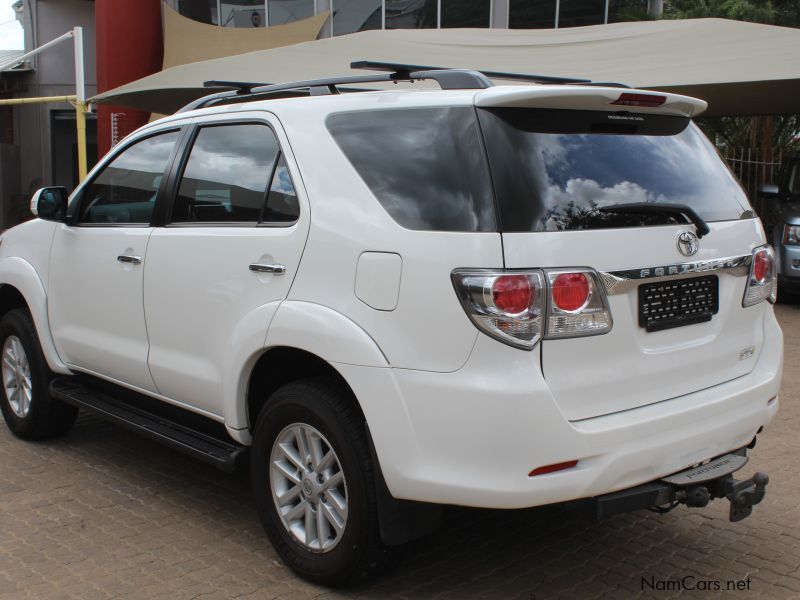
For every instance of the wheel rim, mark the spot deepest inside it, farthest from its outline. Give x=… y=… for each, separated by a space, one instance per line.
x=17 y=376
x=308 y=487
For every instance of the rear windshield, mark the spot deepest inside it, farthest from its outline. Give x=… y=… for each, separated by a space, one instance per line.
x=426 y=166
x=555 y=170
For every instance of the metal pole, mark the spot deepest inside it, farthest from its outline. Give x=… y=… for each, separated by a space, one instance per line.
x=43 y=100
x=80 y=104
x=558 y=10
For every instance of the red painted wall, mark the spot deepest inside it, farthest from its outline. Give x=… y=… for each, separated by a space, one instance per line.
x=130 y=45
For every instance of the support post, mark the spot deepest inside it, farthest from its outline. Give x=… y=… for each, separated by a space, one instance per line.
x=80 y=104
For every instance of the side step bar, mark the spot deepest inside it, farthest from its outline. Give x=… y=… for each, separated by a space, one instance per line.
x=223 y=454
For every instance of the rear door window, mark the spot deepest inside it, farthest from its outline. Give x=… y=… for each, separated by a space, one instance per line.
x=426 y=166
x=230 y=178
x=555 y=170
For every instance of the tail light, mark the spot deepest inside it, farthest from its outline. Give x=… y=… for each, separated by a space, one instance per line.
x=761 y=282
x=578 y=305
x=506 y=305
x=520 y=307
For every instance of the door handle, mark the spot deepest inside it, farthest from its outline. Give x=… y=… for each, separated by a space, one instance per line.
x=133 y=260
x=275 y=269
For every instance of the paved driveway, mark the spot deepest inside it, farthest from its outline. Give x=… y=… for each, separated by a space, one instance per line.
x=103 y=513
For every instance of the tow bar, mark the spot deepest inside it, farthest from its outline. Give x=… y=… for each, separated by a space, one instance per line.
x=694 y=487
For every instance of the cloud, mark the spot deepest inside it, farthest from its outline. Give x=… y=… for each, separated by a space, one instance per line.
x=11 y=34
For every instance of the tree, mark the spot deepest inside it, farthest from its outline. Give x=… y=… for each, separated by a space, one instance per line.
x=769 y=135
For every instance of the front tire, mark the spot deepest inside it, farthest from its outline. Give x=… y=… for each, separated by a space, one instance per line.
x=314 y=485
x=28 y=409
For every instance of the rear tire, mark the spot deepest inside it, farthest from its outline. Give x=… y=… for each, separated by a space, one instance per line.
x=28 y=409
x=319 y=511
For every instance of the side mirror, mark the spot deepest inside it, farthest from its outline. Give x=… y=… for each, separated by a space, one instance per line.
x=767 y=191
x=50 y=203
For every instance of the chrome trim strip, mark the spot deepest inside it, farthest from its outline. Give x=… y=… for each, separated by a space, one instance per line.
x=621 y=282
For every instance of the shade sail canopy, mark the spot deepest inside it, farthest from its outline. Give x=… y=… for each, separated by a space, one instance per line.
x=739 y=68
x=188 y=41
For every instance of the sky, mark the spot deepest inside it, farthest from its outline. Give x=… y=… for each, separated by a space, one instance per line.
x=11 y=37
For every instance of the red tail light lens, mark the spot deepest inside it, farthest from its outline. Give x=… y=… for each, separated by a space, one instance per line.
x=571 y=291
x=761 y=267
x=512 y=293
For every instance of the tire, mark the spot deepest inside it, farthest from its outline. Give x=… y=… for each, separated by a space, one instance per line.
x=33 y=416
x=320 y=410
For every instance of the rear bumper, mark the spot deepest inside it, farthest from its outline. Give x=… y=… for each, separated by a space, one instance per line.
x=471 y=437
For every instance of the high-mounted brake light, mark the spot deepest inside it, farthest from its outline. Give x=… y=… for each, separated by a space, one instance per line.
x=646 y=100
x=519 y=307
x=762 y=283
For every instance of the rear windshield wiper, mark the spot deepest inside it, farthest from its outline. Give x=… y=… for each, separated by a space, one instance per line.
x=661 y=208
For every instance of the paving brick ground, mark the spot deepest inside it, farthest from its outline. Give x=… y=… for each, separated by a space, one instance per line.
x=103 y=513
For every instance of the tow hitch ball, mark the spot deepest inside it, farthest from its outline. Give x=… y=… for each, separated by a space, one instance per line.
x=743 y=495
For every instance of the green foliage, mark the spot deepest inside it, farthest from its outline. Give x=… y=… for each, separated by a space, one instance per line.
x=782 y=132
x=774 y=12
x=778 y=135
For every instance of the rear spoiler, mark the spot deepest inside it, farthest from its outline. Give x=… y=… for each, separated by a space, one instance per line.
x=576 y=97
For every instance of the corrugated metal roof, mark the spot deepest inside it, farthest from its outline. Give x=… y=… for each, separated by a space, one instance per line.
x=6 y=56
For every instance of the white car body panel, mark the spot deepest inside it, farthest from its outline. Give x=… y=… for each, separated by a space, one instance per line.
x=96 y=310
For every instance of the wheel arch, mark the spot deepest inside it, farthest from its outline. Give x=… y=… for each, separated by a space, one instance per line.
x=280 y=365
x=21 y=287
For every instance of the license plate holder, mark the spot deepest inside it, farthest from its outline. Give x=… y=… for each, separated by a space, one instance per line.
x=678 y=302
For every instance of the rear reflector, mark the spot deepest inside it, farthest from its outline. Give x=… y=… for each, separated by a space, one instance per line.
x=553 y=468
x=647 y=100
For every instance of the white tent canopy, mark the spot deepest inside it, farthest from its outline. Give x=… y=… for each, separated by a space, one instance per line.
x=739 y=68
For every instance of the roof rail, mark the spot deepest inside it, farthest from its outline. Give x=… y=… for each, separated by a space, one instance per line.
x=402 y=68
x=448 y=79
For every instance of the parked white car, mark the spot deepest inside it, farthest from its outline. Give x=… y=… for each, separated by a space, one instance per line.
x=492 y=296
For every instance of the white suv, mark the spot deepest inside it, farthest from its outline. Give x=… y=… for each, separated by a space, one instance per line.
x=493 y=296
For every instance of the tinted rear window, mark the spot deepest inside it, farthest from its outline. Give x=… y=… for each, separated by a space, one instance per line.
x=425 y=166
x=554 y=170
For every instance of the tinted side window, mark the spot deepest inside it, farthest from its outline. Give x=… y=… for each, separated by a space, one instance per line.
x=125 y=190
x=227 y=174
x=282 y=205
x=425 y=166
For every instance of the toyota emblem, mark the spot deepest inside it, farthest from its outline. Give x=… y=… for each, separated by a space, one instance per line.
x=688 y=243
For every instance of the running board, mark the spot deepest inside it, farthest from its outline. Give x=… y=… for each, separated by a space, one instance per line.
x=223 y=454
